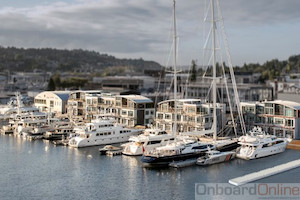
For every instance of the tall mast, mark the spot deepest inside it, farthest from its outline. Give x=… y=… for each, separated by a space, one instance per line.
x=175 y=70
x=213 y=26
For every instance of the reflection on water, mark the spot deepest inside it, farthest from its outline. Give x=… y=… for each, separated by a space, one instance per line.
x=41 y=170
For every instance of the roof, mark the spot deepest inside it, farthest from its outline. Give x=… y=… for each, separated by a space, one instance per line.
x=63 y=96
x=137 y=98
x=188 y=101
x=291 y=104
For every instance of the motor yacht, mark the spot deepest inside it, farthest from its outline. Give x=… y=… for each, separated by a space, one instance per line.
x=101 y=132
x=259 y=144
x=151 y=139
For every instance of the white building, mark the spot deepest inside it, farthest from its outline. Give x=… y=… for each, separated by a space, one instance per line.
x=52 y=101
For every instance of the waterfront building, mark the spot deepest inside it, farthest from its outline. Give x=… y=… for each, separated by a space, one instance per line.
x=107 y=103
x=247 y=92
x=132 y=110
x=126 y=83
x=83 y=104
x=129 y=110
x=52 y=101
x=281 y=118
x=192 y=115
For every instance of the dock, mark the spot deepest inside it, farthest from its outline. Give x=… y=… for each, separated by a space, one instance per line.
x=185 y=163
x=114 y=153
x=264 y=173
x=295 y=144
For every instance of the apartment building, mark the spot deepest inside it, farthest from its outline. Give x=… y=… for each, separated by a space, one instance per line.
x=281 y=118
x=192 y=115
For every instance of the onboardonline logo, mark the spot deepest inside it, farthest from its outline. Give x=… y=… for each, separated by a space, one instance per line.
x=252 y=191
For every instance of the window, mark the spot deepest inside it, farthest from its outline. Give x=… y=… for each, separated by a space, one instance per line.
x=279 y=109
x=130 y=113
x=154 y=142
x=51 y=104
x=289 y=112
x=289 y=122
x=168 y=116
x=278 y=121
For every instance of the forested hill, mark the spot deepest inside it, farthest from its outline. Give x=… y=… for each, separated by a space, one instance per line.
x=19 y=59
x=274 y=68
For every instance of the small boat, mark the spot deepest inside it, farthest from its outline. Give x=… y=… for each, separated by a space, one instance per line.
x=214 y=157
x=107 y=148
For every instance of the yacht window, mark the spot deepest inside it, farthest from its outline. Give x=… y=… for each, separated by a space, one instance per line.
x=97 y=134
x=154 y=142
x=265 y=145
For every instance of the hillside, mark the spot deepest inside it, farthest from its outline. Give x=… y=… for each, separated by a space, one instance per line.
x=47 y=59
x=274 y=68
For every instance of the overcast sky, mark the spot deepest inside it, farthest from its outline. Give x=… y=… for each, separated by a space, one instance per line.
x=258 y=30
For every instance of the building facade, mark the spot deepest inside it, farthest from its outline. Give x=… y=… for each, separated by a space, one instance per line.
x=132 y=110
x=52 y=101
x=83 y=104
x=192 y=115
x=129 y=110
x=281 y=118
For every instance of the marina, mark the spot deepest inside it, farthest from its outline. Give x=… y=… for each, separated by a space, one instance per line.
x=92 y=126
x=83 y=173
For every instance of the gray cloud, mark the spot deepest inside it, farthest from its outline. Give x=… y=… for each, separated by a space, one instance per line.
x=137 y=28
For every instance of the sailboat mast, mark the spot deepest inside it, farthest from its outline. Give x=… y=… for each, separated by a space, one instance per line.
x=214 y=88
x=175 y=70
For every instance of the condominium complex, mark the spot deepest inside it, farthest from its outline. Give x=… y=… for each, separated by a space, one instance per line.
x=129 y=110
x=281 y=118
x=192 y=115
x=133 y=110
x=83 y=104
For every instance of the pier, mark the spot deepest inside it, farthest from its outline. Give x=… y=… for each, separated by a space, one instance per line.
x=264 y=173
x=295 y=144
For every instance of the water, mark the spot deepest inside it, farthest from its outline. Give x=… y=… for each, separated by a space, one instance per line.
x=40 y=170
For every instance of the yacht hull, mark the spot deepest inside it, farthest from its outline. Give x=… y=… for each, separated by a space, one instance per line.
x=166 y=160
x=96 y=142
x=269 y=151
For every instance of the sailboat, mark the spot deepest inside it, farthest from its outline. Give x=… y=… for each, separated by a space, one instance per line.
x=230 y=143
x=182 y=148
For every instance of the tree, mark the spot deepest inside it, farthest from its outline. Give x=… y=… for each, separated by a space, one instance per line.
x=56 y=80
x=193 y=72
x=51 y=85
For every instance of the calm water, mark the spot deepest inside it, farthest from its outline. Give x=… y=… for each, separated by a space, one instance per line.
x=40 y=170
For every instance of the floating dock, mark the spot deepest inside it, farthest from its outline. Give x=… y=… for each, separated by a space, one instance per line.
x=264 y=173
x=295 y=144
x=184 y=163
x=114 y=153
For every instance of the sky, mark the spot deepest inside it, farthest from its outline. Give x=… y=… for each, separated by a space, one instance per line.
x=257 y=30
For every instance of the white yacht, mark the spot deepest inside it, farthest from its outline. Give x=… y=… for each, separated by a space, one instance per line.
x=259 y=144
x=151 y=139
x=214 y=157
x=176 y=151
x=100 y=133
x=62 y=130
